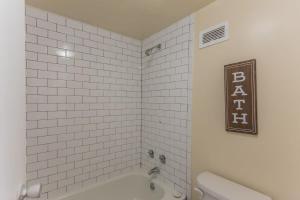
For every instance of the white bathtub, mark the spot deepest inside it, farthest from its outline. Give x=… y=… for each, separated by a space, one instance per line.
x=131 y=186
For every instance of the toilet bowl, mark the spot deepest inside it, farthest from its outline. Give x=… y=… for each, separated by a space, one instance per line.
x=213 y=187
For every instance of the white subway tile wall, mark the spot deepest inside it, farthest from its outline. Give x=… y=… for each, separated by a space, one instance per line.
x=96 y=104
x=83 y=103
x=166 y=103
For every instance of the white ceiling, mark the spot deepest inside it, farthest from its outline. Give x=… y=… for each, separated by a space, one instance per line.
x=134 y=18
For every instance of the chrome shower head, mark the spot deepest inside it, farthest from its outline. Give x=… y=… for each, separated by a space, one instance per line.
x=150 y=51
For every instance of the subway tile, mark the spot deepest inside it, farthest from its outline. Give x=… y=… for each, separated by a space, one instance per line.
x=74 y=99
x=47 y=172
x=97 y=38
x=74 y=40
x=74 y=24
x=47 y=58
x=36 y=31
x=36 y=166
x=82 y=34
x=36 y=13
x=57 y=115
x=90 y=29
x=47 y=123
x=46 y=42
x=47 y=139
x=166 y=101
x=70 y=91
x=90 y=43
x=65 y=61
x=31 y=125
x=66 y=91
x=31 y=38
x=65 y=30
x=36 y=65
x=30 y=73
x=57 y=36
x=56 y=19
x=36 y=48
x=74 y=84
x=57 y=67
x=56 y=99
x=103 y=32
x=36 y=99
x=47 y=75
x=36 y=149
x=57 y=83
x=30 y=20
x=46 y=25
x=31 y=56
x=47 y=107
x=66 y=106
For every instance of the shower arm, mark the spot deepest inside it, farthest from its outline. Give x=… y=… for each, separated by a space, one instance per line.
x=148 y=52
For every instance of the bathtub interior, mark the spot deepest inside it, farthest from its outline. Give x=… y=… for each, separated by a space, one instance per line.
x=131 y=187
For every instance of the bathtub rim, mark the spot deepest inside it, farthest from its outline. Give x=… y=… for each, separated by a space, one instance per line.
x=167 y=188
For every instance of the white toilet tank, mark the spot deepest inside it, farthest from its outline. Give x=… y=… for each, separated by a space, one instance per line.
x=213 y=187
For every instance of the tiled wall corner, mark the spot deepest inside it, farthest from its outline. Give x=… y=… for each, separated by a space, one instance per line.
x=189 y=124
x=166 y=103
x=83 y=102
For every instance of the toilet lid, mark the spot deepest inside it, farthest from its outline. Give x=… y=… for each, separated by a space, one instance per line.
x=224 y=189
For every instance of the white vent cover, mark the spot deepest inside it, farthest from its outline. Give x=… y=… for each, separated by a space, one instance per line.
x=214 y=35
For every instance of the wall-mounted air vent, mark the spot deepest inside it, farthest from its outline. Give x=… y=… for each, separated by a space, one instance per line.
x=214 y=35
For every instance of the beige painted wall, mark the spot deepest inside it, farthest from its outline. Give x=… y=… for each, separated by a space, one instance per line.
x=269 y=31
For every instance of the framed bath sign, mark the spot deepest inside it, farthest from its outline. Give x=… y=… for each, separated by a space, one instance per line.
x=240 y=97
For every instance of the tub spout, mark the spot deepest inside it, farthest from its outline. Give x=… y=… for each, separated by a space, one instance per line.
x=154 y=171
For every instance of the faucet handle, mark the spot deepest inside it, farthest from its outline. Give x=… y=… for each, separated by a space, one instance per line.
x=162 y=159
x=151 y=153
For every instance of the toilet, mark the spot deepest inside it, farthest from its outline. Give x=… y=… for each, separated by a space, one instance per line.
x=213 y=187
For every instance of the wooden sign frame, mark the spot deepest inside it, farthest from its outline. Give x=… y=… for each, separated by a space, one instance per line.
x=240 y=97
